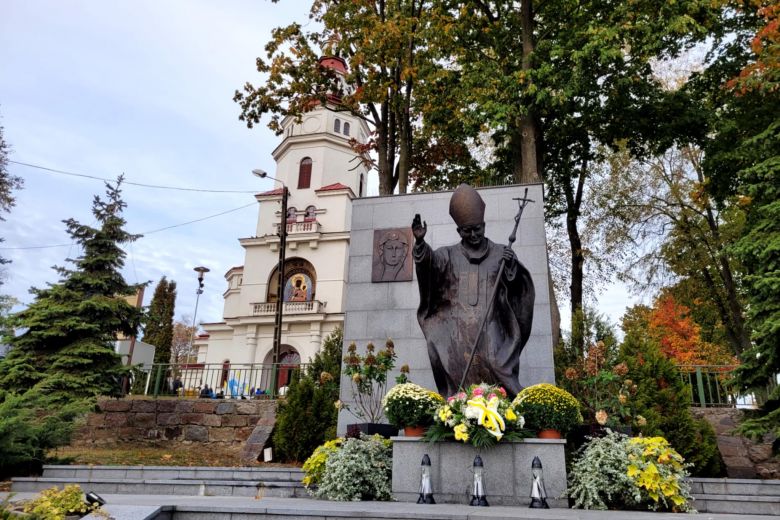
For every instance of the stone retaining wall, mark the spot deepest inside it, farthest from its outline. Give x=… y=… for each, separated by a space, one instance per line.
x=185 y=420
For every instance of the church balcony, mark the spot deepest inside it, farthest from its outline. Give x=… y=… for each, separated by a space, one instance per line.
x=305 y=226
x=269 y=308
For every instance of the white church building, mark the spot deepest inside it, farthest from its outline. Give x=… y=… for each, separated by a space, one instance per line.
x=323 y=173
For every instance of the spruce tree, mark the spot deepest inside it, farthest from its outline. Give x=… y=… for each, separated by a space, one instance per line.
x=159 y=320
x=67 y=347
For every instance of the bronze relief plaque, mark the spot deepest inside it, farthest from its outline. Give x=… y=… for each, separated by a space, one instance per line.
x=392 y=257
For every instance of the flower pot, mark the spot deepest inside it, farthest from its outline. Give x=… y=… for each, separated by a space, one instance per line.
x=549 y=434
x=385 y=430
x=414 y=431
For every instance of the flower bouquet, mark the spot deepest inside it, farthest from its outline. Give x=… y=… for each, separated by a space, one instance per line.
x=547 y=407
x=481 y=416
x=408 y=404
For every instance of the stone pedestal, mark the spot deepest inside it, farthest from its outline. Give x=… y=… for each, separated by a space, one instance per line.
x=507 y=470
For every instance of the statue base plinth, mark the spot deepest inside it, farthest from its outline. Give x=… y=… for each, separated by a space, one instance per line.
x=507 y=470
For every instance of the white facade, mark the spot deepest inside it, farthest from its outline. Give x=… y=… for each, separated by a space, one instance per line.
x=318 y=227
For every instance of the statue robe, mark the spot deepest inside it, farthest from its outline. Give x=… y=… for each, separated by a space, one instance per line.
x=455 y=284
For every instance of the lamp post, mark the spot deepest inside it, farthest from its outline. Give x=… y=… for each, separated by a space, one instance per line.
x=201 y=274
x=277 y=346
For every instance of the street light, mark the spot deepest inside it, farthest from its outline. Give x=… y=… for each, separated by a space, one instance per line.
x=201 y=274
x=277 y=347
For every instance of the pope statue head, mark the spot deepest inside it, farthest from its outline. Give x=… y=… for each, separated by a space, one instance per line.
x=467 y=209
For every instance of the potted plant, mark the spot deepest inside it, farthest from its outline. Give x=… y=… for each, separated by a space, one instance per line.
x=411 y=407
x=368 y=380
x=550 y=410
x=480 y=416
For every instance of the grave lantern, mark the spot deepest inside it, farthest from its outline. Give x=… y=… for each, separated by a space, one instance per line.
x=478 y=493
x=538 y=493
x=426 y=491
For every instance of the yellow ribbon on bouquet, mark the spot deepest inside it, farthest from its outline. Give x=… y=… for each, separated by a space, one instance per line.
x=489 y=416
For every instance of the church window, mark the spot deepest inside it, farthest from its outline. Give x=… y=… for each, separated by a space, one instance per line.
x=360 y=188
x=292 y=214
x=346 y=128
x=311 y=213
x=337 y=126
x=304 y=174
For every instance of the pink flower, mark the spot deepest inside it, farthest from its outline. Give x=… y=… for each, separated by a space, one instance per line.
x=502 y=391
x=492 y=396
x=461 y=395
x=450 y=398
x=476 y=392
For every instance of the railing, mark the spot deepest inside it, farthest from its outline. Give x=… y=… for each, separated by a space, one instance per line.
x=269 y=308
x=711 y=386
x=215 y=380
x=307 y=226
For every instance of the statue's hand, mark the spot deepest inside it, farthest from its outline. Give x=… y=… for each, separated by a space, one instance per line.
x=419 y=228
x=509 y=255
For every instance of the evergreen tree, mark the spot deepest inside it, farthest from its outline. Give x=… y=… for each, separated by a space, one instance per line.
x=159 y=320
x=663 y=399
x=307 y=416
x=66 y=349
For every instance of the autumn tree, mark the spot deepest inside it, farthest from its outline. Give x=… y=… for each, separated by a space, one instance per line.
x=67 y=344
x=380 y=43
x=181 y=347
x=679 y=234
x=158 y=329
x=679 y=337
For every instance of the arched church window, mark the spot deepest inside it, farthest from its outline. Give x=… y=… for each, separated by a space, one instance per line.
x=311 y=213
x=337 y=126
x=360 y=188
x=304 y=174
x=299 y=281
x=346 y=128
x=292 y=214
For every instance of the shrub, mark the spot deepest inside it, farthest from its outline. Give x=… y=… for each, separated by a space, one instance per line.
x=408 y=404
x=663 y=399
x=368 y=378
x=55 y=504
x=616 y=471
x=545 y=406
x=314 y=467
x=30 y=425
x=360 y=470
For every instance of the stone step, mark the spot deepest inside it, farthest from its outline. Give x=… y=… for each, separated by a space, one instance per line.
x=738 y=504
x=265 y=473
x=189 y=487
x=734 y=486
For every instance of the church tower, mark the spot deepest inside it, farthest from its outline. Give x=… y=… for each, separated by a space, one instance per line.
x=323 y=173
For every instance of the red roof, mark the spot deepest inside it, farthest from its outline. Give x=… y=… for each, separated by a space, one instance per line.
x=333 y=187
x=277 y=191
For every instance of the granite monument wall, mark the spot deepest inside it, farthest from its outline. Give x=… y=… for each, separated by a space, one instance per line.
x=375 y=311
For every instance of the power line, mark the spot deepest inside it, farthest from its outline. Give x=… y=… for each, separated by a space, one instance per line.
x=145 y=232
x=155 y=186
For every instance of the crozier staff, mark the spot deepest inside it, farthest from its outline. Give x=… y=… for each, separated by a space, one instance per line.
x=455 y=285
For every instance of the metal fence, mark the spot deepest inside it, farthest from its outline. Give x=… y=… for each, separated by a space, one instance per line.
x=712 y=386
x=216 y=380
